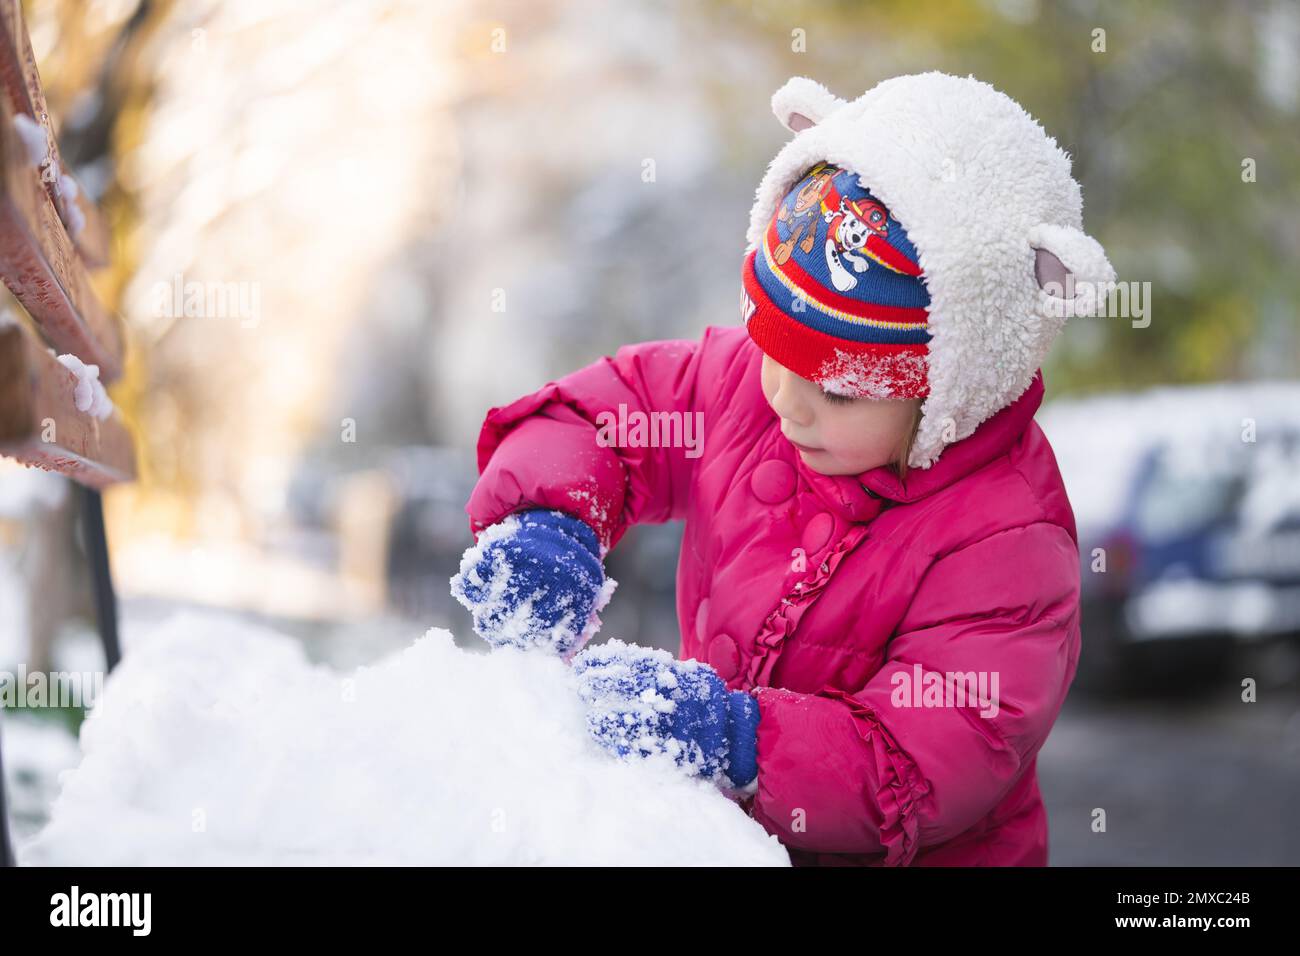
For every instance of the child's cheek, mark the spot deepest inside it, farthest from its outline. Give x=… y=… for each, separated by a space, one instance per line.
x=842 y=444
x=857 y=444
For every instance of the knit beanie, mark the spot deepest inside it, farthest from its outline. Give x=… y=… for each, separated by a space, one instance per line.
x=834 y=291
x=974 y=290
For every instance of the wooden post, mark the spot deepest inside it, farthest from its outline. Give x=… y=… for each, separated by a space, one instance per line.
x=42 y=268
x=22 y=85
x=41 y=425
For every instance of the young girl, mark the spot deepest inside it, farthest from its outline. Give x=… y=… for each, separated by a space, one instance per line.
x=879 y=577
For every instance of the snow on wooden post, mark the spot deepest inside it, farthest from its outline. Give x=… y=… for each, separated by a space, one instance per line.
x=22 y=87
x=42 y=268
x=53 y=412
x=41 y=425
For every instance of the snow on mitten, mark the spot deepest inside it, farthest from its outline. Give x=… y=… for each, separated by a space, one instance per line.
x=534 y=579
x=642 y=701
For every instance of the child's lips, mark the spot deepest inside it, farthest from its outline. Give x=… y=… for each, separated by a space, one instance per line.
x=801 y=447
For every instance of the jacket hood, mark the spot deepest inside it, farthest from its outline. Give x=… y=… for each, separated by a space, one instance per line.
x=990 y=204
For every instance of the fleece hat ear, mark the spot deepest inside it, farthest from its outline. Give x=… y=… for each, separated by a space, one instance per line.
x=802 y=103
x=1071 y=269
x=988 y=200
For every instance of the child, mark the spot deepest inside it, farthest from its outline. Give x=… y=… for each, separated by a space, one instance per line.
x=879 y=579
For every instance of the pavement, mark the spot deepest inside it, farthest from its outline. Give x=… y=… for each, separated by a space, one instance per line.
x=1202 y=780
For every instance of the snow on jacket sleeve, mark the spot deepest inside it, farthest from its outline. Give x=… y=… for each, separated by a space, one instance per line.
x=545 y=450
x=860 y=773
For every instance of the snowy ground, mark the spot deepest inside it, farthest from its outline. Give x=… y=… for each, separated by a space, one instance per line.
x=218 y=742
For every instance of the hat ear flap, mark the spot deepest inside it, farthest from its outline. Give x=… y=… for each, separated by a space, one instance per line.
x=802 y=103
x=1070 y=269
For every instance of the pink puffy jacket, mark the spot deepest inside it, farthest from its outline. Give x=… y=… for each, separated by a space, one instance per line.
x=825 y=593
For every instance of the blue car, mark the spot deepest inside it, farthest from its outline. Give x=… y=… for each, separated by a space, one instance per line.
x=1188 y=507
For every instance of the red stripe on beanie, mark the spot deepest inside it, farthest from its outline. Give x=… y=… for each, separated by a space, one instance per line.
x=818 y=357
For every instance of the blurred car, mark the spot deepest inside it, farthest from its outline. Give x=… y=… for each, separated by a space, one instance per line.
x=1187 y=502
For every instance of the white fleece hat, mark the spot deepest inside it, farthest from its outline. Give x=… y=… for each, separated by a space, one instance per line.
x=994 y=214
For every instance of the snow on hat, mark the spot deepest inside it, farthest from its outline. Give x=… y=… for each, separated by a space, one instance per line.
x=834 y=292
x=992 y=212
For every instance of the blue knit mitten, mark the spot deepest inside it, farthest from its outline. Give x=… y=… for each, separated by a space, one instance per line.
x=642 y=701
x=534 y=579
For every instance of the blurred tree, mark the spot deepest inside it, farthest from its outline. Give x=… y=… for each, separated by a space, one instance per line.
x=1159 y=104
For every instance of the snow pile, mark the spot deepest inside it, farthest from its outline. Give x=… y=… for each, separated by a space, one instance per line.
x=36 y=142
x=89 y=394
x=34 y=139
x=73 y=218
x=217 y=743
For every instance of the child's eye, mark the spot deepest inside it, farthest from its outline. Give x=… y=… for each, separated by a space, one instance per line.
x=836 y=399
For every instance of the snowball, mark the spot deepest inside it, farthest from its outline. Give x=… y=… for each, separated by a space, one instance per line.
x=34 y=139
x=74 y=219
x=216 y=742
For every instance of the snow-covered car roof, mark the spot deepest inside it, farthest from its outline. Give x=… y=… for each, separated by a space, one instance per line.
x=1101 y=440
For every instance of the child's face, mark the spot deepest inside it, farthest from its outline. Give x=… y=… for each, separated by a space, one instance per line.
x=835 y=435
